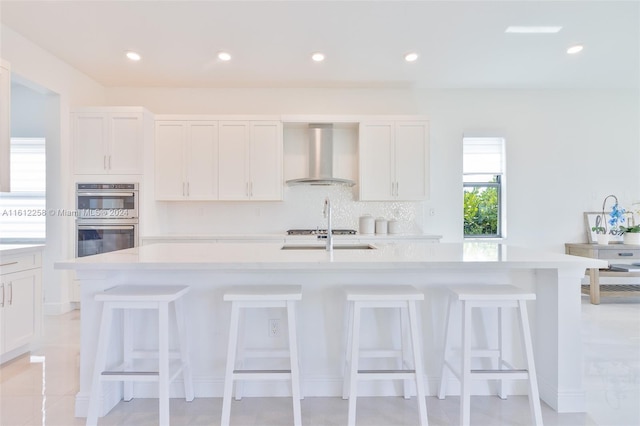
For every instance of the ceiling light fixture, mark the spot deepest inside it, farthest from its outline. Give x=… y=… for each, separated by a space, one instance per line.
x=318 y=57
x=575 y=49
x=531 y=29
x=134 y=56
x=224 y=56
x=411 y=57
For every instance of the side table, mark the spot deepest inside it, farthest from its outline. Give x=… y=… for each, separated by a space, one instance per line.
x=614 y=253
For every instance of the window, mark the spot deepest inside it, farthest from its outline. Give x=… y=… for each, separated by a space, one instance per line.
x=22 y=211
x=483 y=187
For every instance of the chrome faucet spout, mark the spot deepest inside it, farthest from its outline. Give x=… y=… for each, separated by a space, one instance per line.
x=327 y=214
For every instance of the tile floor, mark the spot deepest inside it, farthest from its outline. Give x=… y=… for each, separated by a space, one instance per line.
x=40 y=390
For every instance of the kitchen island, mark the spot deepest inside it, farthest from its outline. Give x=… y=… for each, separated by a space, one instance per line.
x=210 y=268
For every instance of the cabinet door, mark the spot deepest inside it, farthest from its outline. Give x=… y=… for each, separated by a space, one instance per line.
x=266 y=161
x=90 y=142
x=169 y=162
x=233 y=164
x=19 y=308
x=377 y=179
x=5 y=127
x=125 y=143
x=202 y=160
x=412 y=160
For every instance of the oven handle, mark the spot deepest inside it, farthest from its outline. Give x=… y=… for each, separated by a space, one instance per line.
x=107 y=194
x=103 y=227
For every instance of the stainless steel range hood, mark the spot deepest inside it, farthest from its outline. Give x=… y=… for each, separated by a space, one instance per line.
x=321 y=158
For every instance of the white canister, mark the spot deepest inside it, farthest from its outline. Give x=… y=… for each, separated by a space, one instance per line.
x=367 y=224
x=393 y=226
x=381 y=225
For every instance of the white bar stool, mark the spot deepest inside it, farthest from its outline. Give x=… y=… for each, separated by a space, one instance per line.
x=127 y=298
x=490 y=296
x=259 y=297
x=402 y=297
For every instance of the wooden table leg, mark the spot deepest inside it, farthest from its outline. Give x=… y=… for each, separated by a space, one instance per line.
x=594 y=286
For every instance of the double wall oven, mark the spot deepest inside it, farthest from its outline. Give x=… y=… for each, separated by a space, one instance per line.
x=107 y=217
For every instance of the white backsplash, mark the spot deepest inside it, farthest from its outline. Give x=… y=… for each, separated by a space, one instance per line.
x=302 y=208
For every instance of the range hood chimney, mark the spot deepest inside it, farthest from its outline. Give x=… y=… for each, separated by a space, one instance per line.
x=321 y=158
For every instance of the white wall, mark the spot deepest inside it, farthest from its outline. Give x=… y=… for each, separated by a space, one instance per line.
x=566 y=150
x=65 y=87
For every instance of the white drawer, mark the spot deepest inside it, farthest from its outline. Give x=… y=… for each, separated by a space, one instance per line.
x=21 y=262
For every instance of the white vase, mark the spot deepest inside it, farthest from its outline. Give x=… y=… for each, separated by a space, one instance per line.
x=631 y=238
x=602 y=239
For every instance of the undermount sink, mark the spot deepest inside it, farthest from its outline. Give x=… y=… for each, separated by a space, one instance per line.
x=324 y=247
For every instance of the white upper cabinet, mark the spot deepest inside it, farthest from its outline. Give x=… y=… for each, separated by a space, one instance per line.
x=108 y=141
x=186 y=163
x=5 y=126
x=250 y=160
x=394 y=160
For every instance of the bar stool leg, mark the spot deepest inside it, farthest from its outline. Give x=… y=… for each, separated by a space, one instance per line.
x=100 y=362
x=406 y=384
x=240 y=354
x=353 y=380
x=293 y=358
x=127 y=343
x=417 y=363
x=163 y=370
x=502 y=392
x=184 y=350
x=465 y=372
x=231 y=359
x=347 y=362
x=442 y=390
x=534 y=397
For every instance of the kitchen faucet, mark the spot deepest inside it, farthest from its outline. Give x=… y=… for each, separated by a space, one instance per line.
x=327 y=214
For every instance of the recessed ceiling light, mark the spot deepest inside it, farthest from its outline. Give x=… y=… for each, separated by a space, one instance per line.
x=411 y=57
x=531 y=29
x=134 y=56
x=318 y=57
x=575 y=49
x=224 y=56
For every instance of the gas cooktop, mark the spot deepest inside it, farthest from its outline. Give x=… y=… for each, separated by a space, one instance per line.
x=320 y=232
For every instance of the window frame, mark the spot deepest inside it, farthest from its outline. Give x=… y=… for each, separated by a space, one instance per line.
x=499 y=184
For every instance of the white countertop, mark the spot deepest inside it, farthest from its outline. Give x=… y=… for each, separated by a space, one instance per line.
x=269 y=256
x=11 y=249
x=283 y=237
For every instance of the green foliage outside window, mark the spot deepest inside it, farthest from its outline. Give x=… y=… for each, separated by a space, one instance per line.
x=481 y=211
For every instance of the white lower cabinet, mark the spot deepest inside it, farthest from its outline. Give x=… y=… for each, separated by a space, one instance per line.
x=20 y=303
x=186 y=163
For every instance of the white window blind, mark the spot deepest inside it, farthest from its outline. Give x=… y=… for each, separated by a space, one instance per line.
x=22 y=211
x=483 y=155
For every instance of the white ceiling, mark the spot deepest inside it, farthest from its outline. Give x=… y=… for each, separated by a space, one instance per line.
x=462 y=44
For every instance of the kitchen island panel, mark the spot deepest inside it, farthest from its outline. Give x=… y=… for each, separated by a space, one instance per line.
x=554 y=316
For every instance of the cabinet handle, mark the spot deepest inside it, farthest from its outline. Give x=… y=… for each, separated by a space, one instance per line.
x=10 y=263
x=188 y=192
x=397 y=188
x=2 y=303
x=10 y=294
x=183 y=193
x=626 y=254
x=247 y=188
x=251 y=189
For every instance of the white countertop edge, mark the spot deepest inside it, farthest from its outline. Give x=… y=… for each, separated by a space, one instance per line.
x=13 y=249
x=278 y=237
